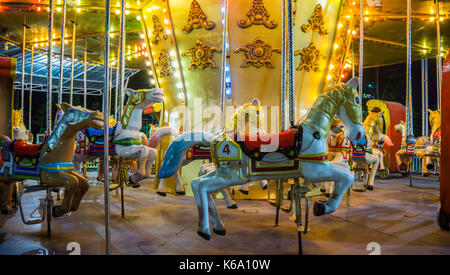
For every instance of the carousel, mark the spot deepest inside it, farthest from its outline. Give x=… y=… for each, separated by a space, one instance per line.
x=184 y=127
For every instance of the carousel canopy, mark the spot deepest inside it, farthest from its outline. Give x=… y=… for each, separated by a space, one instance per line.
x=385 y=30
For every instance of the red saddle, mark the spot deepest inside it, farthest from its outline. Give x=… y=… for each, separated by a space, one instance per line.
x=285 y=139
x=23 y=148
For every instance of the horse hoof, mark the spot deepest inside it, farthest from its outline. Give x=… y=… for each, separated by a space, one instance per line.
x=370 y=187
x=319 y=209
x=265 y=187
x=327 y=195
x=181 y=193
x=162 y=194
x=233 y=206
x=6 y=212
x=134 y=185
x=245 y=192
x=56 y=213
x=204 y=235
x=220 y=232
x=100 y=180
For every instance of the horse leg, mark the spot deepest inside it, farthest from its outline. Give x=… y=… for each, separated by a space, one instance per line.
x=101 y=170
x=6 y=193
x=373 y=171
x=150 y=160
x=162 y=187
x=179 y=184
x=231 y=204
x=244 y=189
x=201 y=200
x=317 y=172
x=83 y=187
x=263 y=184
x=142 y=152
x=217 y=223
x=70 y=183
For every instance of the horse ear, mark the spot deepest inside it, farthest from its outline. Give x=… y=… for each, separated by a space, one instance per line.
x=128 y=91
x=429 y=111
x=401 y=121
x=353 y=83
x=65 y=106
x=255 y=102
x=58 y=106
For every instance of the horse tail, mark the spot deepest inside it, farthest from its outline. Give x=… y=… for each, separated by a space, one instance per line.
x=159 y=134
x=177 y=151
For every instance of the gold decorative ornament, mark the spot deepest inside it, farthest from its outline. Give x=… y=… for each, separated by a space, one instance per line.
x=258 y=15
x=197 y=19
x=258 y=53
x=201 y=55
x=316 y=22
x=164 y=64
x=158 y=31
x=310 y=58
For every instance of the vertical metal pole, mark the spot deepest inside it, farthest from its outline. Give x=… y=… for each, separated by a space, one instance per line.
x=424 y=63
x=85 y=75
x=438 y=58
x=224 y=61
x=106 y=128
x=61 y=60
x=409 y=119
x=50 y=68
x=122 y=38
x=22 y=94
x=361 y=47
x=283 y=68
x=290 y=36
x=72 y=65
x=31 y=89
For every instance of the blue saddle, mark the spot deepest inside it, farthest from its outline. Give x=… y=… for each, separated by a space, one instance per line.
x=359 y=148
x=97 y=136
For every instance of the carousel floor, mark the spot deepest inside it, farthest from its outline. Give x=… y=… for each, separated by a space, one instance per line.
x=401 y=219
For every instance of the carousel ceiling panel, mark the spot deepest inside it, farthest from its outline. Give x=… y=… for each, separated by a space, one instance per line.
x=89 y=17
x=385 y=31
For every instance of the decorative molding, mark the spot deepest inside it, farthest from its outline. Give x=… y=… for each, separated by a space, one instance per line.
x=310 y=58
x=258 y=15
x=164 y=64
x=316 y=22
x=197 y=19
x=158 y=31
x=258 y=53
x=201 y=55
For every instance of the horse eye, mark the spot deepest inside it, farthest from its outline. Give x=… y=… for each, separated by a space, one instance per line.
x=357 y=100
x=257 y=112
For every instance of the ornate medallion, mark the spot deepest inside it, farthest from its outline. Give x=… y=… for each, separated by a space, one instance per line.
x=258 y=54
x=158 y=31
x=164 y=64
x=257 y=15
x=310 y=59
x=201 y=55
x=197 y=19
x=316 y=22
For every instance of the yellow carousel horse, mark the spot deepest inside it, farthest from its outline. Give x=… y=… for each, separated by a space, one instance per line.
x=428 y=149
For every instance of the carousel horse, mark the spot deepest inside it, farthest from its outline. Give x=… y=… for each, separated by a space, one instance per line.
x=429 y=148
x=20 y=131
x=125 y=137
x=51 y=162
x=373 y=157
x=236 y=122
x=406 y=152
x=298 y=152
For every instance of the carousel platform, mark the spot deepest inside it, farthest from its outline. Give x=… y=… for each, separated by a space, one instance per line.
x=400 y=218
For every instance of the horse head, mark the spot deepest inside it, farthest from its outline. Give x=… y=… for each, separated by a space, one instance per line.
x=140 y=100
x=350 y=110
x=435 y=119
x=401 y=127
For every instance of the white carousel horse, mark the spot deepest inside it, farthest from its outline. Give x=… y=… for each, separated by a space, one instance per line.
x=298 y=152
x=253 y=112
x=428 y=148
x=126 y=135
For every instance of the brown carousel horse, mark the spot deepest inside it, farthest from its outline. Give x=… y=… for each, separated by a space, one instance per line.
x=51 y=163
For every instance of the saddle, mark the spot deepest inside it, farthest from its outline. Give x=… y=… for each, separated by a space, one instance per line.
x=23 y=149
x=198 y=152
x=98 y=136
x=289 y=143
x=359 y=149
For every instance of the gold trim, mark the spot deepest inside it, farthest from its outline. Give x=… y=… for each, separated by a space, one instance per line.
x=158 y=31
x=201 y=55
x=197 y=19
x=258 y=53
x=310 y=58
x=164 y=64
x=257 y=15
x=316 y=22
